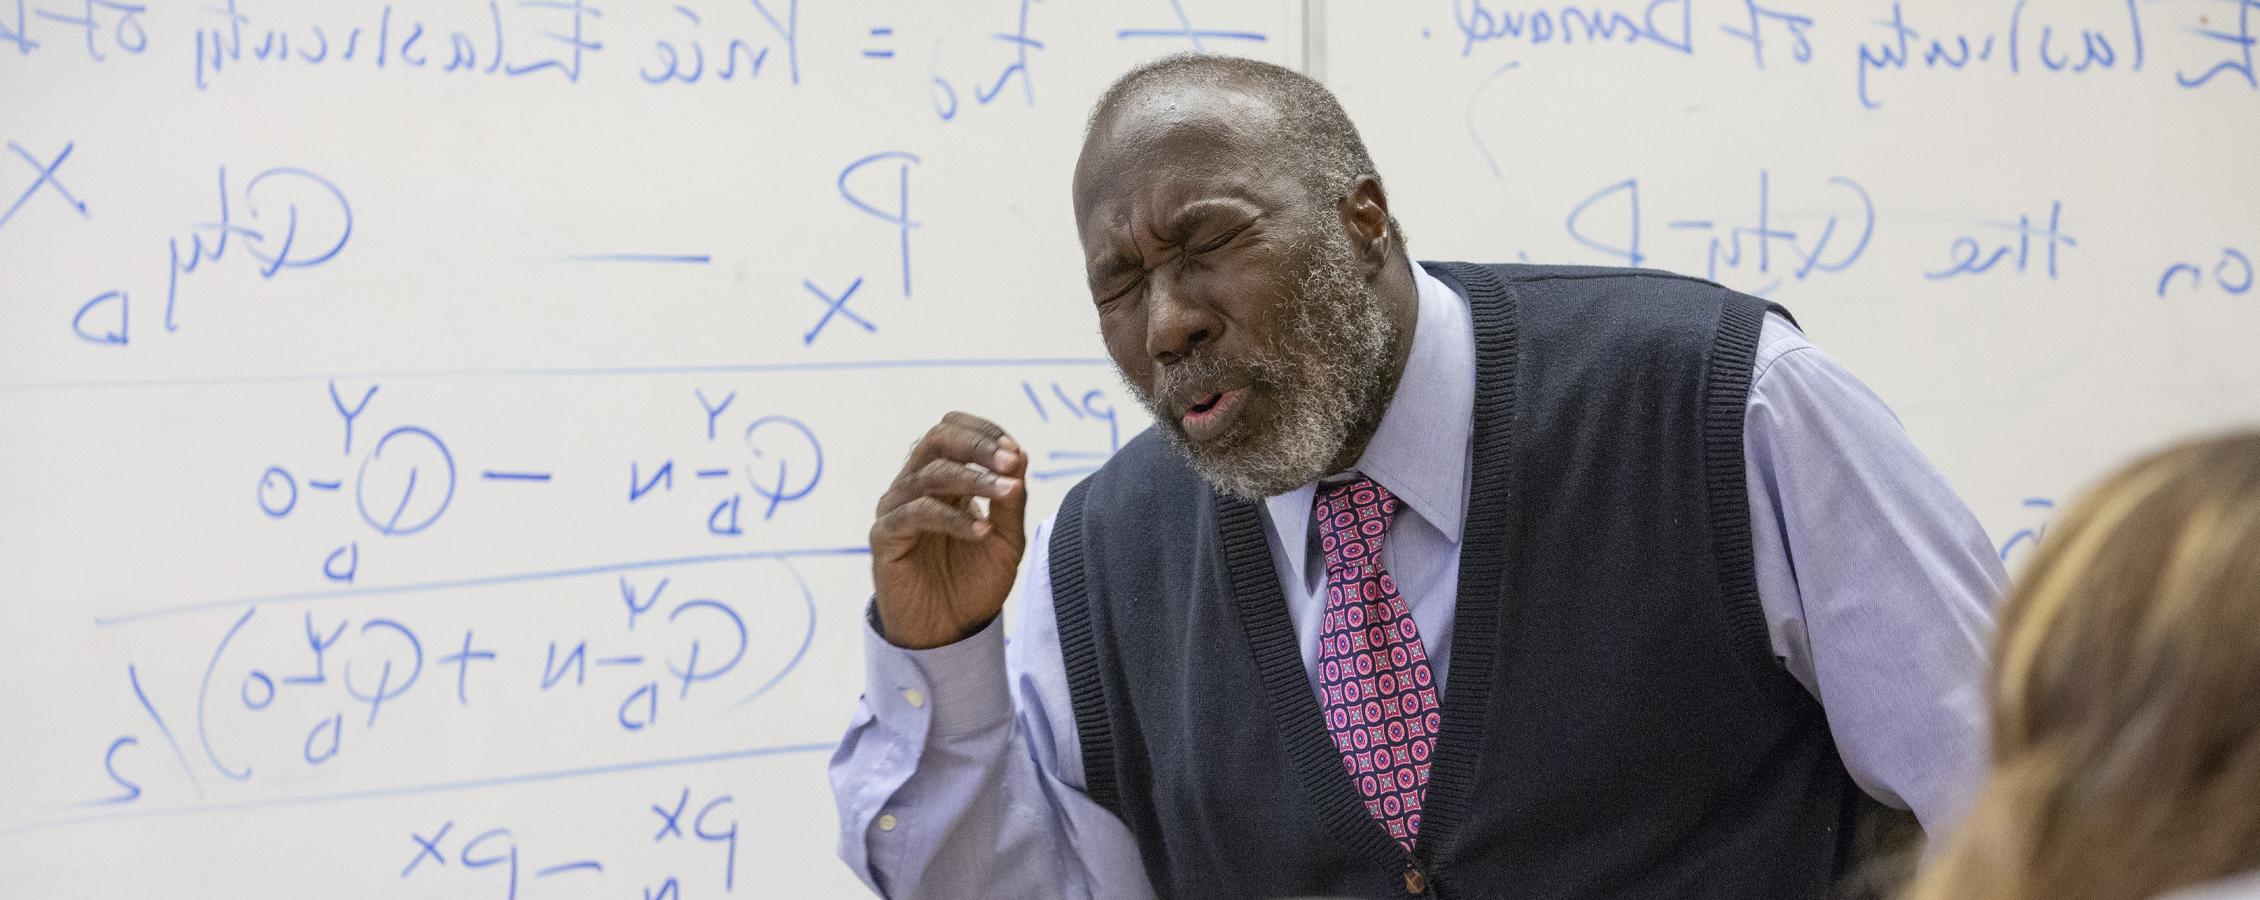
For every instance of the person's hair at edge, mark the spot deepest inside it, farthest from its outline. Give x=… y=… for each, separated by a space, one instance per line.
x=2126 y=694
x=1317 y=137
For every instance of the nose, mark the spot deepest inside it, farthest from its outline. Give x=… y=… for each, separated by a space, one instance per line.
x=1177 y=320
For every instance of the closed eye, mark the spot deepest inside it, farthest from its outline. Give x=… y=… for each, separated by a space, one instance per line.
x=1219 y=242
x=1126 y=290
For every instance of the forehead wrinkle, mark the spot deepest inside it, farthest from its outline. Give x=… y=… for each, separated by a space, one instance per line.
x=1155 y=188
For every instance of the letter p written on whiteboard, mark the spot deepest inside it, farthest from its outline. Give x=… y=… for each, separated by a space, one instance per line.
x=290 y=218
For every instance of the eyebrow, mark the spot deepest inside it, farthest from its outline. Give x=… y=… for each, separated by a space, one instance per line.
x=1193 y=214
x=1113 y=266
x=1178 y=225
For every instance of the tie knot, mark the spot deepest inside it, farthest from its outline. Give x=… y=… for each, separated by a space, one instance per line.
x=1352 y=519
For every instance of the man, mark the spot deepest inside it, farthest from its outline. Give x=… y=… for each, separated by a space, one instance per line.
x=1430 y=579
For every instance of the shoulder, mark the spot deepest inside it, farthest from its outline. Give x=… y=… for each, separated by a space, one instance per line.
x=1621 y=304
x=1792 y=376
x=1599 y=279
x=1613 y=323
x=1778 y=340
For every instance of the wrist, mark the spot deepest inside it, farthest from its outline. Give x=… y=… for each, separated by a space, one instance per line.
x=918 y=632
x=942 y=692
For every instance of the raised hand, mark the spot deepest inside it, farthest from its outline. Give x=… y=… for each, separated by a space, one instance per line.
x=941 y=568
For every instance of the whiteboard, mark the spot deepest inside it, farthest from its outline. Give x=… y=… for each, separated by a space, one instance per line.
x=430 y=483
x=2029 y=225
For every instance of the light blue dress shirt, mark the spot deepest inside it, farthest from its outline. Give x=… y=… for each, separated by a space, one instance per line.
x=962 y=772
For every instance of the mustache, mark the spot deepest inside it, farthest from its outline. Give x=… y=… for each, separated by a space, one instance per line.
x=1190 y=380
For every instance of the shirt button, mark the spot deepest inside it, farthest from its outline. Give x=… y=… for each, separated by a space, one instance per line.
x=1415 y=882
x=886 y=823
x=915 y=697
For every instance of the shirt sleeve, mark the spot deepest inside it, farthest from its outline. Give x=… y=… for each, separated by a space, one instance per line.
x=961 y=773
x=1878 y=584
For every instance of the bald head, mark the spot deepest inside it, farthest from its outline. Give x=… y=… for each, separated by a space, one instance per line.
x=1242 y=111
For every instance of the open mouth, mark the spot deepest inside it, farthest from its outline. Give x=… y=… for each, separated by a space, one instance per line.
x=1209 y=416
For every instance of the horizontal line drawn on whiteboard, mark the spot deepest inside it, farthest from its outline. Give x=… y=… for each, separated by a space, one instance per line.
x=430 y=788
x=1184 y=30
x=583 y=865
x=687 y=259
x=852 y=365
x=472 y=582
x=1127 y=33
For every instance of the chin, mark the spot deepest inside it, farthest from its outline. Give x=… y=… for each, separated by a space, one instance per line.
x=1251 y=463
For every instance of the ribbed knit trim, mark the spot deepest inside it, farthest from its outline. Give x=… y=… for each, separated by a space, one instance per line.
x=1294 y=708
x=1488 y=533
x=1726 y=403
x=1078 y=649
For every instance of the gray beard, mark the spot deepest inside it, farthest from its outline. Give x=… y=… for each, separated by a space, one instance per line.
x=1326 y=374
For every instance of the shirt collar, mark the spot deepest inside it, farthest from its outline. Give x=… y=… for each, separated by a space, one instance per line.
x=1420 y=451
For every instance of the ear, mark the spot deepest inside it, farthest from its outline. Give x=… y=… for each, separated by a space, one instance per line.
x=1365 y=217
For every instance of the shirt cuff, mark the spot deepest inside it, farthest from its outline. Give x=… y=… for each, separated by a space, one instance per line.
x=944 y=691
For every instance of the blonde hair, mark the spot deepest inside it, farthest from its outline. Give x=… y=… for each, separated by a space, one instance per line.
x=2126 y=694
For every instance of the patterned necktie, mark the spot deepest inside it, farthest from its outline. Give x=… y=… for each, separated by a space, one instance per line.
x=1378 y=695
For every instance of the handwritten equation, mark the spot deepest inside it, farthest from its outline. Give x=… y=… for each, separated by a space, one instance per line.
x=280 y=694
x=1888 y=42
x=405 y=480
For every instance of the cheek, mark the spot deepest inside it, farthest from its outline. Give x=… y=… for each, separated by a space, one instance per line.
x=1125 y=340
x=1255 y=293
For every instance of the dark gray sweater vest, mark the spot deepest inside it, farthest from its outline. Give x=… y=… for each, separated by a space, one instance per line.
x=1615 y=723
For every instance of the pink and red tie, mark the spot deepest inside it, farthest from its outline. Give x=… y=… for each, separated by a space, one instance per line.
x=1377 y=693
